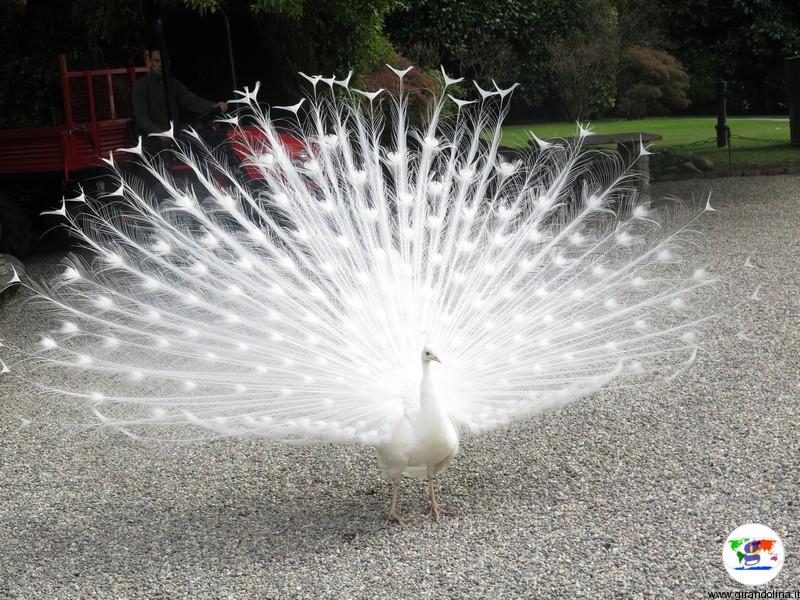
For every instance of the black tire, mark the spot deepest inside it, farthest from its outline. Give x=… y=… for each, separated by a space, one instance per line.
x=16 y=224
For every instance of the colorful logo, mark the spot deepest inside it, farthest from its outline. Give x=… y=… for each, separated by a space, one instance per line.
x=753 y=554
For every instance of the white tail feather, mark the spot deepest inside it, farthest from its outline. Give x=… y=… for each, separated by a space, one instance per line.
x=291 y=302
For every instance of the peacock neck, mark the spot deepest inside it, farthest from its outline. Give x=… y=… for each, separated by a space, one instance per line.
x=428 y=398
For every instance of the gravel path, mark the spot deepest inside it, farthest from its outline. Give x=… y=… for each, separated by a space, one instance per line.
x=624 y=494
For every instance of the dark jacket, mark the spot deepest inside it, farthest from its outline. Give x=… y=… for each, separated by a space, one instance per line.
x=150 y=110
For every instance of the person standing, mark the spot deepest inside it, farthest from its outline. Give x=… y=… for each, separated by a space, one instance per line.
x=150 y=113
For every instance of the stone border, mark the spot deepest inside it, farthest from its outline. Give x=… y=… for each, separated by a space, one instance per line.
x=716 y=173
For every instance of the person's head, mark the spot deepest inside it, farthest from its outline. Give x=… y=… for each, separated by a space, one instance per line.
x=154 y=60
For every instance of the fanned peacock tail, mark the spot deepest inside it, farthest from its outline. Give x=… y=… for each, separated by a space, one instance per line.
x=289 y=296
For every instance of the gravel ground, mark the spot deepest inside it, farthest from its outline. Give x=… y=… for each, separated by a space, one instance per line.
x=624 y=494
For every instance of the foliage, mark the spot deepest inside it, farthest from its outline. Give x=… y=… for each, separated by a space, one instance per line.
x=583 y=64
x=422 y=88
x=329 y=37
x=457 y=90
x=640 y=23
x=325 y=37
x=554 y=49
x=286 y=8
x=417 y=84
x=651 y=83
x=504 y=40
x=92 y=33
x=744 y=43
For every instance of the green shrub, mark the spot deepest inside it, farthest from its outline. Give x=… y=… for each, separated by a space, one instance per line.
x=505 y=40
x=651 y=83
x=418 y=85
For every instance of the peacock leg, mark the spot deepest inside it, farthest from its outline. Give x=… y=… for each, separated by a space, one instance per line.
x=436 y=511
x=394 y=517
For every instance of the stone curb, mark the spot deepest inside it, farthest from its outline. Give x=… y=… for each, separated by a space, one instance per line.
x=790 y=170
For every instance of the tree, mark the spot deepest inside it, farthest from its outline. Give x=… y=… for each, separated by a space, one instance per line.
x=584 y=62
x=651 y=83
x=504 y=40
x=322 y=37
x=640 y=23
x=287 y=35
x=92 y=33
x=743 y=41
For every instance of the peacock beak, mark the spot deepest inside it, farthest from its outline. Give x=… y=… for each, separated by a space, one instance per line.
x=436 y=358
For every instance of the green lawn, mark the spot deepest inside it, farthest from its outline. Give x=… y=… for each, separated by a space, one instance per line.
x=754 y=142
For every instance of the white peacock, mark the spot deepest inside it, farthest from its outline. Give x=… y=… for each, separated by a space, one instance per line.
x=312 y=300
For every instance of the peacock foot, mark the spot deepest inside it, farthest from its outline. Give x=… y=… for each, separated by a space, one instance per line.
x=437 y=511
x=394 y=517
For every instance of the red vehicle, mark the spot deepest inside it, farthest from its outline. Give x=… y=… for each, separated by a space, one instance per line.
x=97 y=120
x=97 y=115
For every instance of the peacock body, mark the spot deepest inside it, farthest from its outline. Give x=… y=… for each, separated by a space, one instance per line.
x=290 y=297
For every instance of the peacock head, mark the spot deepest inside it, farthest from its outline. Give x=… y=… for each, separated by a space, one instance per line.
x=428 y=356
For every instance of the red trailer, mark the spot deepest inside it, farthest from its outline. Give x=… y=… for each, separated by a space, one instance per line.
x=97 y=120
x=97 y=115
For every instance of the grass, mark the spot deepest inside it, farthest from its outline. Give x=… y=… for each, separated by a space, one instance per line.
x=755 y=143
